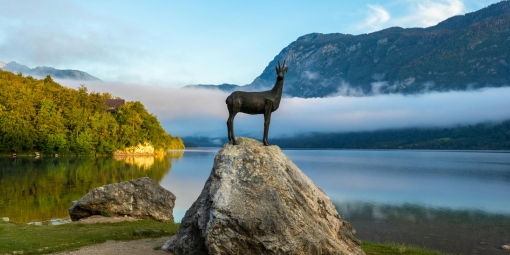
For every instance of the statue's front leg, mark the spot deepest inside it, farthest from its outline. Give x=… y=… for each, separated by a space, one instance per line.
x=267 y=120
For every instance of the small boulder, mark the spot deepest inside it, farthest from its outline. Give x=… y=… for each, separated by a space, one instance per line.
x=6 y=219
x=256 y=201
x=506 y=247
x=142 y=198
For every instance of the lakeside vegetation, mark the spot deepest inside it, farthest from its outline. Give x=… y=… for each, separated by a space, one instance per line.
x=48 y=239
x=44 y=116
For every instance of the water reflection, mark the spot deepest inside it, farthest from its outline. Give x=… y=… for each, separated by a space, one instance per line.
x=463 y=231
x=459 y=180
x=43 y=189
x=188 y=178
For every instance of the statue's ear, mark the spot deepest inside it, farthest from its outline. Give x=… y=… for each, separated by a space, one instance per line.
x=285 y=70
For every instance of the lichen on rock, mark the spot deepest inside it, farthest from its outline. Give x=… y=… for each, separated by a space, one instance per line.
x=256 y=201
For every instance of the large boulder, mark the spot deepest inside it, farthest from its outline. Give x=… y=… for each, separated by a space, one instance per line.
x=256 y=201
x=142 y=198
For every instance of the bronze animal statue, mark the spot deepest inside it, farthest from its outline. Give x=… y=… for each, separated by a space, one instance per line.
x=264 y=102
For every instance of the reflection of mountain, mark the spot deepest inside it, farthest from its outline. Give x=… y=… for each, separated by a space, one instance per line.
x=43 y=189
x=415 y=213
x=454 y=231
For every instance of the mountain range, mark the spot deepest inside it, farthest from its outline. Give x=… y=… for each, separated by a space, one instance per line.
x=463 y=52
x=42 y=71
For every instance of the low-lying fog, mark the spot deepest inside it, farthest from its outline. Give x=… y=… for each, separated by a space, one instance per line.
x=201 y=112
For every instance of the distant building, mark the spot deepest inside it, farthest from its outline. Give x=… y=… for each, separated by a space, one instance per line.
x=113 y=104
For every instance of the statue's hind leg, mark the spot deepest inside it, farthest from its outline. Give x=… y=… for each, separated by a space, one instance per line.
x=230 y=124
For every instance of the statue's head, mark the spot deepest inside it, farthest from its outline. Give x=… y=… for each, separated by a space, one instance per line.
x=281 y=70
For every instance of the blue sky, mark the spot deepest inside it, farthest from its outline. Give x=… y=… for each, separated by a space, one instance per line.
x=175 y=43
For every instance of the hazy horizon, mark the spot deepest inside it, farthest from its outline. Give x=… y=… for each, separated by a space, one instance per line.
x=203 y=112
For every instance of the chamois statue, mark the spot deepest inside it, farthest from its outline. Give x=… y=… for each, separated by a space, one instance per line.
x=264 y=102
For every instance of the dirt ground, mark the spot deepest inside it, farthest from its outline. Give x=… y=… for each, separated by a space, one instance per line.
x=101 y=219
x=136 y=247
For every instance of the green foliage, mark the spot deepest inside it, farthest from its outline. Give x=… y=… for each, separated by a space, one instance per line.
x=49 y=239
x=105 y=214
x=42 y=115
x=394 y=249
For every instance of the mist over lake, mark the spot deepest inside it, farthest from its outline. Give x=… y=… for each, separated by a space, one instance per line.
x=203 y=112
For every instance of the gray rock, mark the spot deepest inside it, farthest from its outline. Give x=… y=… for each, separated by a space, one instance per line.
x=142 y=198
x=506 y=247
x=256 y=201
x=6 y=219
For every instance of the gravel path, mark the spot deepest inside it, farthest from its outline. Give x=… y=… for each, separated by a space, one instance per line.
x=136 y=247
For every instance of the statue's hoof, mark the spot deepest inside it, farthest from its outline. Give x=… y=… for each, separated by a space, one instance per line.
x=266 y=143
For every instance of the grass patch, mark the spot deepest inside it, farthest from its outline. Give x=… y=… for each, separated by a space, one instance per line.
x=46 y=239
x=395 y=249
x=105 y=214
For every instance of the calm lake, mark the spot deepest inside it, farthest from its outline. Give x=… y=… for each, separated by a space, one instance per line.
x=457 y=202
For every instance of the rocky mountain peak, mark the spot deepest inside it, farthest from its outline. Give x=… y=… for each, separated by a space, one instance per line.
x=42 y=71
x=464 y=52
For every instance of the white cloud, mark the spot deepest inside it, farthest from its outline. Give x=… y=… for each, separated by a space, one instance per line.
x=422 y=13
x=345 y=89
x=376 y=18
x=66 y=35
x=429 y=13
x=309 y=75
x=378 y=86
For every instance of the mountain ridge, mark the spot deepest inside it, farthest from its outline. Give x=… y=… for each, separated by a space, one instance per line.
x=42 y=71
x=463 y=52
